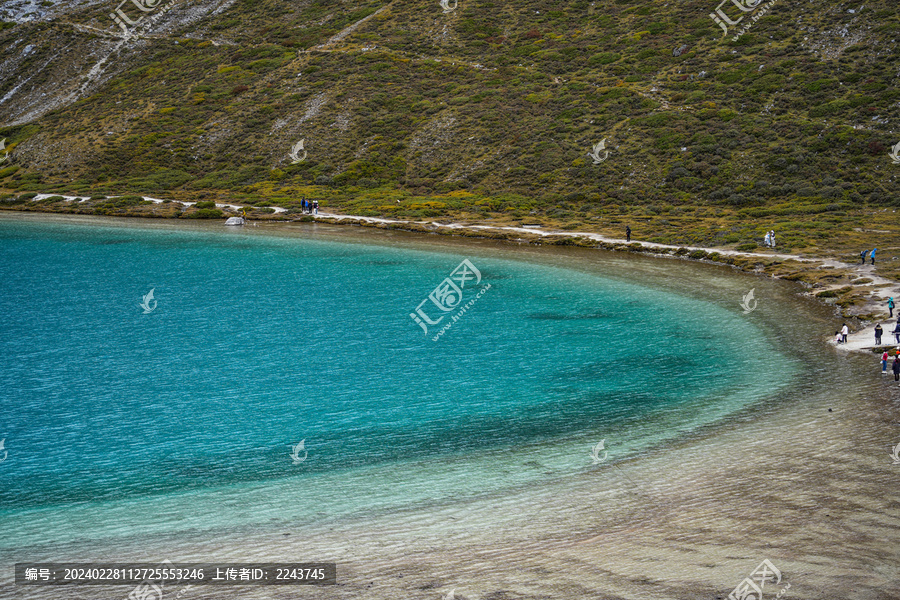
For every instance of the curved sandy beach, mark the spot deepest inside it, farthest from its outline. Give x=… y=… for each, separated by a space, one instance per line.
x=804 y=480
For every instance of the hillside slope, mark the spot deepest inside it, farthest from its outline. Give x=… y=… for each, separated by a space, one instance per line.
x=486 y=111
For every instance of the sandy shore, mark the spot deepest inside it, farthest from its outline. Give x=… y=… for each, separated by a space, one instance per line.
x=806 y=484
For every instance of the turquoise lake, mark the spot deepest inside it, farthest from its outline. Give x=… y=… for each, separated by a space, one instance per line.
x=122 y=422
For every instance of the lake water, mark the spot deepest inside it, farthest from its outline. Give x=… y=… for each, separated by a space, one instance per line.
x=122 y=422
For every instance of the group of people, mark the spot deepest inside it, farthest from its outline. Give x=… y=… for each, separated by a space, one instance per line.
x=895 y=366
x=840 y=337
x=862 y=255
x=308 y=206
x=769 y=240
x=879 y=332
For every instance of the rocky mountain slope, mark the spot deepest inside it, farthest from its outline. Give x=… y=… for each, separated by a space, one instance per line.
x=481 y=109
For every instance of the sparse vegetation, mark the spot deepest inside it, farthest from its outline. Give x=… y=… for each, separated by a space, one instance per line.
x=711 y=142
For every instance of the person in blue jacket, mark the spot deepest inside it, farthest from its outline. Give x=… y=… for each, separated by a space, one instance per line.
x=872 y=255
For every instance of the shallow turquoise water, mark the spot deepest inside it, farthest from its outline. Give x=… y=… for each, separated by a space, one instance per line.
x=122 y=423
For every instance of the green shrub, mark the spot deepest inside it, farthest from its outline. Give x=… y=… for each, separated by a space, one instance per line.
x=124 y=202
x=208 y=204
x=829 y=108
x=163 y=179
x=603 y=58
x=206 y=213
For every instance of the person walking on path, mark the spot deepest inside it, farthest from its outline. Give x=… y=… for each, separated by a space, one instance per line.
x=896 y=367
x=316 y=206
x=872 y=255
x=896 y=331
x=891 y=307
x=772 y=237
x=862 y=256
x=878 y=332
x=884 y=359
x=767 y=240
x=627 y=233
x=844 y=331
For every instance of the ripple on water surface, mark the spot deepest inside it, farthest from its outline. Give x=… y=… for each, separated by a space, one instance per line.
x=124 y=421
